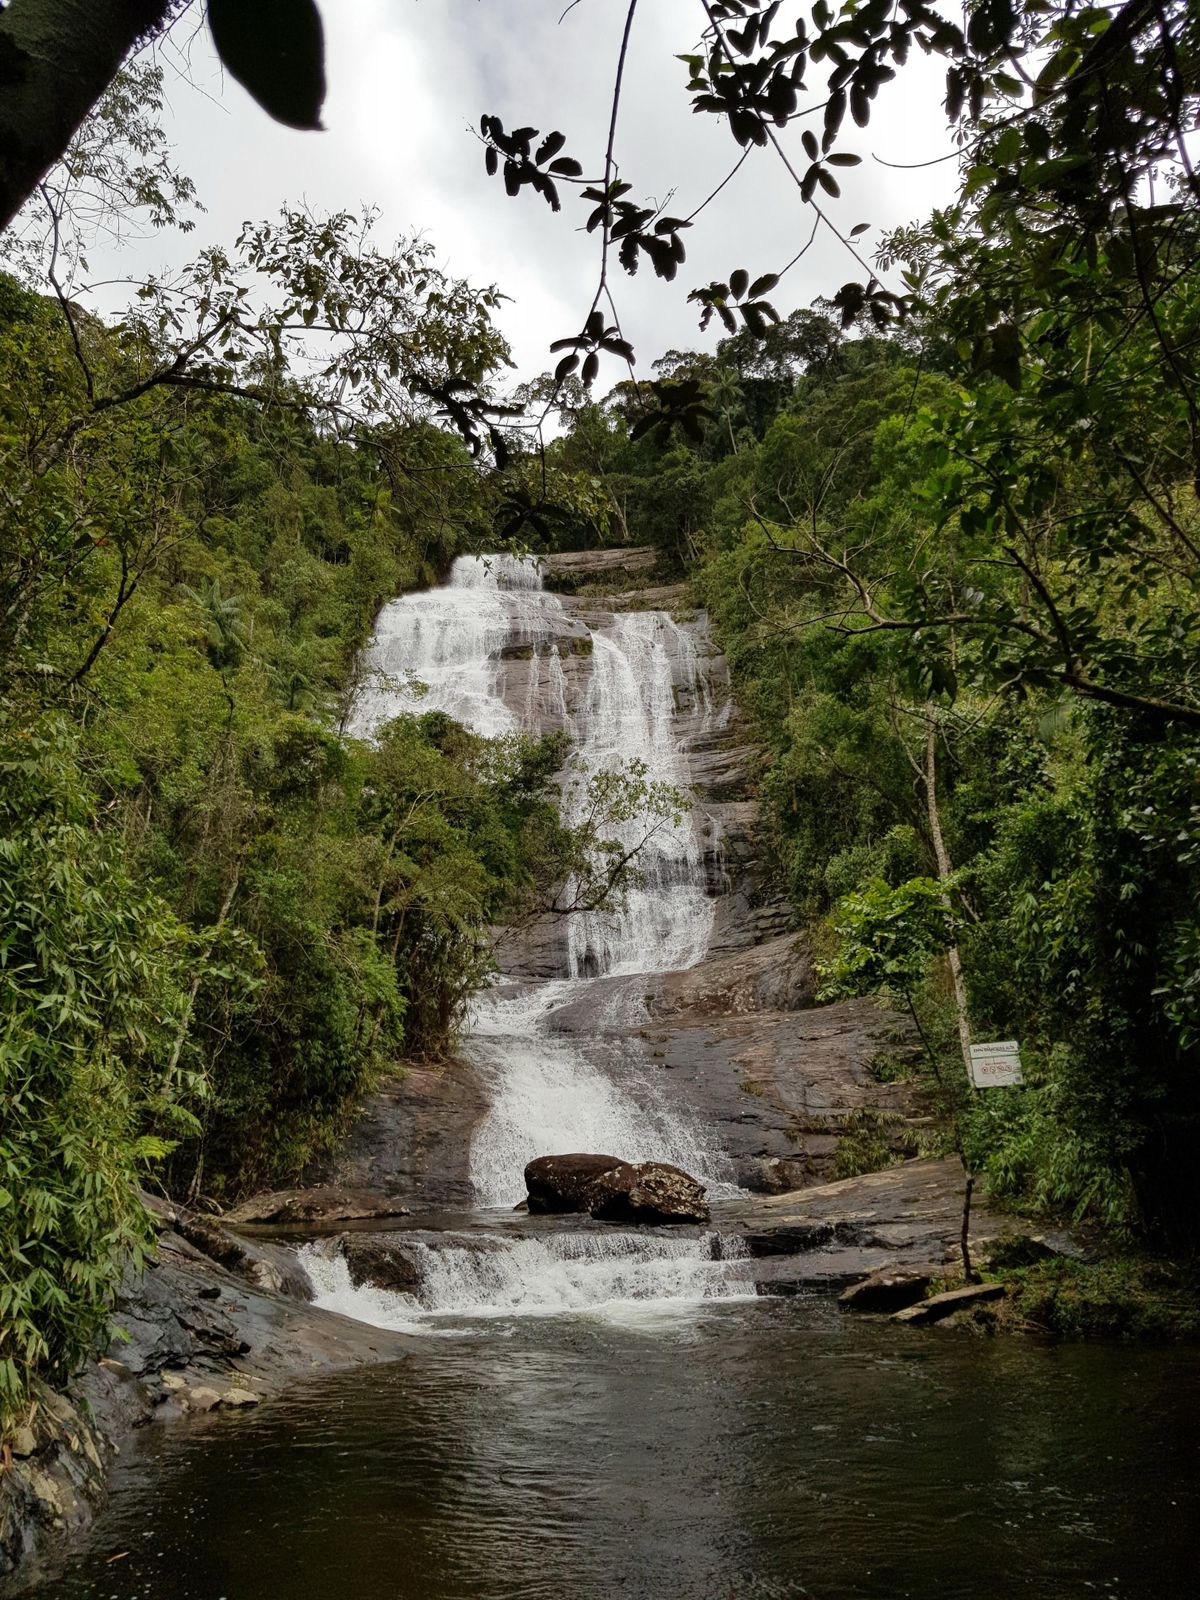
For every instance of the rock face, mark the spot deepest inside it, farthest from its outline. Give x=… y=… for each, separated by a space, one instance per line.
x=303 y=1207
x=382 y=1259
x=613 y=1190
x=650 y=1191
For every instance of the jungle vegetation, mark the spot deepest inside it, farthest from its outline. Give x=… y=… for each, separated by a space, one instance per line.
x=945 y=522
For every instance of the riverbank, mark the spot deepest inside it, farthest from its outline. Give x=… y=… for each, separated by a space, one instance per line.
x=192 y=1336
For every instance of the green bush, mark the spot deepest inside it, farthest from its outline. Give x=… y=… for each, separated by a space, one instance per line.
x=90 y=996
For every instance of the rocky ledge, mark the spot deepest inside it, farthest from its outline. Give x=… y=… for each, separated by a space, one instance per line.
x=213 y=1322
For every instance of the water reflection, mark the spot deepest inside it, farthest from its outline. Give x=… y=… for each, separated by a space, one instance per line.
x=751 y=1451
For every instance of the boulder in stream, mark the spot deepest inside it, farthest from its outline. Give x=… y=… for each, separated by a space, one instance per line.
x=613 y=1190
x=388 y=1262
x=565 y=1183
x=650 y=1191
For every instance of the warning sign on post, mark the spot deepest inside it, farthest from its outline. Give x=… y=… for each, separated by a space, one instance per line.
x=995 y=1063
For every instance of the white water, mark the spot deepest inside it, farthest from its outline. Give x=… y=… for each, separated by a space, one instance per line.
x=549 y=1096
x=666 y=923
x=603 y=1273
x=436 y=651
x=454 y=649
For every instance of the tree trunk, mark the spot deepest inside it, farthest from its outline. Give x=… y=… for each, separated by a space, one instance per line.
x=944 y=872
x=57 y=57
x=956 y=974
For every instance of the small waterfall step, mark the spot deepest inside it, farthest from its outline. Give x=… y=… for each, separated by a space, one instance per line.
x=409 y=1282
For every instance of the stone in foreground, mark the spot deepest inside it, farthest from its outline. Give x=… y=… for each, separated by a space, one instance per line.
x=944 y=1305
x=615 y=1191
x=890 y=1288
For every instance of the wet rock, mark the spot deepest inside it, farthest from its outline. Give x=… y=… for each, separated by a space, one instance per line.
x=613 y=1190
x=777 y=975
x=265 y=1265
x=774 y=1174
x=52 y=1486
x=939 y=1306
x=386 y=1262
x=650 y=1191
x=891 y=1288
x=412 y=1138
x=239 y=1398
x=566 y=1183
x=572 y=569
x=298 y=1206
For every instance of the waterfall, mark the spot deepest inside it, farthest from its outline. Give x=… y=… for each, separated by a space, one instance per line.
x=465 y=1276
x=494 y=650
x=439 y=650
x=666 y=923
x=547 y=1095
x=456 y=649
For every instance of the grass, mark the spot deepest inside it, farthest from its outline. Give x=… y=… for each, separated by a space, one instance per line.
x=1121 y=1297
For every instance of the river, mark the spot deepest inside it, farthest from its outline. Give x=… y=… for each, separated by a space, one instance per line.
x=702 y=1452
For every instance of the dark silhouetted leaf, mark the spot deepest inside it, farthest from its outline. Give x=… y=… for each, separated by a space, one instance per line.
x=550 y=146
x=276 y=51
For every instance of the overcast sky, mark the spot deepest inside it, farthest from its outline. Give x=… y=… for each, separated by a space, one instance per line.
x=408 y=80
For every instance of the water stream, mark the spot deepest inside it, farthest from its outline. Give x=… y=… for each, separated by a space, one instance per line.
x=763 y=1450
x=498 y=652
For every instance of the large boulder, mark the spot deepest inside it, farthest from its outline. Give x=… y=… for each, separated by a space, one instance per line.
x=613 y=1190
x=565 y=1183
x=650 y=1191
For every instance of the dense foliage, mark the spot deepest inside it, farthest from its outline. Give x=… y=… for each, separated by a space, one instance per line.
x=962 y=616
x=947 y=530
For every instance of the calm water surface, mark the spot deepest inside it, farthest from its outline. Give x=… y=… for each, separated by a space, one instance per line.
x=739 y=1449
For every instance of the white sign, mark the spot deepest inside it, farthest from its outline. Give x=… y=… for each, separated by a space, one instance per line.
x=996 y=1063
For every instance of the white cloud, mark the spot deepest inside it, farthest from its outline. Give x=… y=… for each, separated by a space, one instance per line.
x=408 y=78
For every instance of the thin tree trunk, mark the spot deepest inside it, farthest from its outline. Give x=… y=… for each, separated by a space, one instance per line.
x=956 y=978
x=944 y=873
x=57 y=57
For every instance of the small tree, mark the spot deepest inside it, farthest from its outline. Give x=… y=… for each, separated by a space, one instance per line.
x=886 y=940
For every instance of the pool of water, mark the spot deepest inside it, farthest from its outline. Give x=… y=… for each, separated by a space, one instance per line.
x=707 y=1451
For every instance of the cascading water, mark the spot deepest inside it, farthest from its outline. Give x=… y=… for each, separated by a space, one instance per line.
x=667 y=920
x=563 y=1272
x=437 y=651
x=489 y=649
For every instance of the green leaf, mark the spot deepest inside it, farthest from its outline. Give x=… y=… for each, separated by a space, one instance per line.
x=276 y=51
